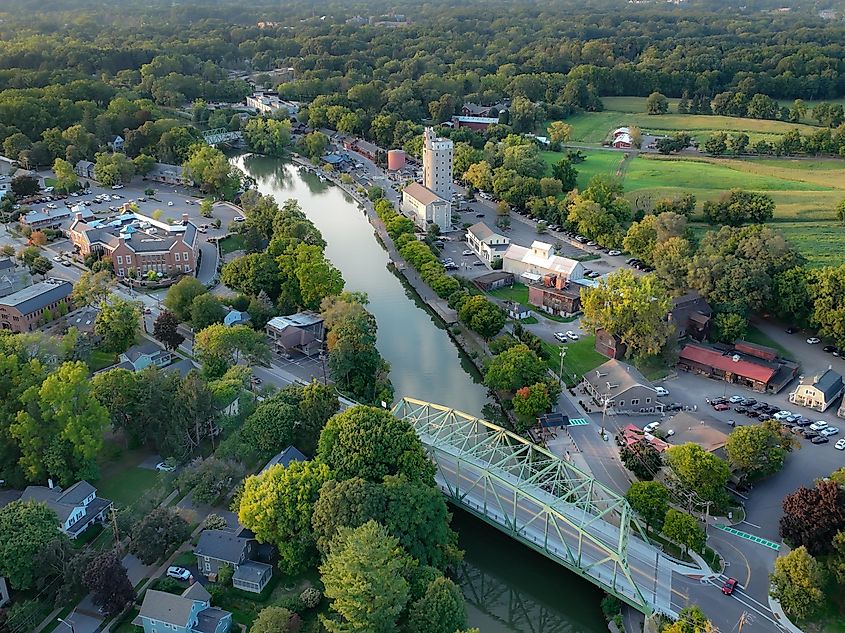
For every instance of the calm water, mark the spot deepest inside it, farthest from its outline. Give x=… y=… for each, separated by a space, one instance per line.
x=532 y=596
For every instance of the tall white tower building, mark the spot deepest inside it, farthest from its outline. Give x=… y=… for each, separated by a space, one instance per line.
x=437 y=164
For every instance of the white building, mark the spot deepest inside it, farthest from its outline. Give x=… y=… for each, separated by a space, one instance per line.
x=269 y=103
x=5 y=185
x=437 y=164
x=486 y=243
x=426 y=207
x=532 y=264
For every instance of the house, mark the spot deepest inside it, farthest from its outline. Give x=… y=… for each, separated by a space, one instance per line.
x=142 y=246
x=290 y=454
x=236 y=317
x=27 y=309
x=494 y=280
x=555 y=295
x=116 y=144
x=610 y=345
x=621 y=388
x=691 y=315
x=168 y=174
x=492 y=111
x=302 y=332
x=534 y=263
x=5 y=185
x=84 y=320
x=269 y=102
x=84 y=169
x=620 y=131
x=516 y=310
x=633 y=436
x=78 y=507
x=818 y=391
x=13 y=278
x=699 y=428
x=478 y=123
x=486 y=243
x=623 y=141
x=217 y=548
x=365 y=148
x=139 y=357
x=754 y=366
x=188 y=612
x=53 y=218
x=426 y=207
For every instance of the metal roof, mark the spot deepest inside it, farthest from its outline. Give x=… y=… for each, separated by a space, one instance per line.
x=421 y=194
x=38 y=296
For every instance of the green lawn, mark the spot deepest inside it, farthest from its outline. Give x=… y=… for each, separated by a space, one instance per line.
x=603 y=162
x=231 y=243
x=581 y=357
x=128 y=485
x=100 y=360
x=518 y=292
x=246 y=606
x=755 y=335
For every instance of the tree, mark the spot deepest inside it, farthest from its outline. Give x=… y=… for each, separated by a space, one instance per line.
x=270 y=428
x=316 y=276
x=117 y=322
x=632 y=308
x=66 y=178
x=740 y=207
x=268 y=136
x=684 y=530
x=813 y=516
x=166 y=330
x=181 y=296
x=92 y=288
x=370 y=443
x=758 y=449
x=60 y=429
x=513 y=369
x=798 y=582
x=144 y=164
x=364 y=578
x=274 y=620
x=840 y=211
x=559 y=132
x=699 y=471
x=253 y=274
x=219 y=347
x=24 y=186
x=206 y=310
x=440 y=610
x=209 y=168
x=649 y=499
x=826 y=292
x=642 y=459
x=691 y=619
x=158 y=534
x=716 y=144
x=657 y=104
x=113 y=169
x=564 y=171
x=277 y=504
x=729 y=327
x=313 y=145
x=482 y=316
x=25 y=528
x=529 y=402
x=208 y=479
x=108 y=583
x=480 y=176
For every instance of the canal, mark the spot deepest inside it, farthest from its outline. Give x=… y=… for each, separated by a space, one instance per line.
x=534 y=596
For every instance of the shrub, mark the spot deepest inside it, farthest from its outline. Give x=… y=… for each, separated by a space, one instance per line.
x=310 y=597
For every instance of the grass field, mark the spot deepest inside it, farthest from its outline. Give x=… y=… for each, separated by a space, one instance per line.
x=598 y=162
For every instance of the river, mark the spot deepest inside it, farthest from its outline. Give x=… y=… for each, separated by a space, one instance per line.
x=535 y=596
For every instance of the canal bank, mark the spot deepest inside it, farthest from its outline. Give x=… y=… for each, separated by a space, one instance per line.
x=426 y=364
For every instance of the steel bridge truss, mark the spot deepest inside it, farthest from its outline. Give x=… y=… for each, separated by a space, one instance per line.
x=220 y=135
x=531 y=494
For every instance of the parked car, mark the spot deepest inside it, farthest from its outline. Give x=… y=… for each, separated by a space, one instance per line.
x=649 y=428
x=752 y=414
x=782 y=415
x=730 y=586
x=467 y=253
x=821 y=439
x=117 y=186
x=721 y=407
x=675 y=406
x=614 y=253
x=797 y=430
x=560 y=336
x=792 y=329
x=748 y=402
x=814 y=340
x=741 y=409
x=180 y=573
x=716 y=401
x=661 y=391
x=239 y=218
x=828 y=431
x=809 y=435
x=840 y=445
x=572 y=336
x=735 y=399
x=164 y=467
x=818 y=426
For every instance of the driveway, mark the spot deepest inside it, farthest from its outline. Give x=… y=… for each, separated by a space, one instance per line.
x=207 y=272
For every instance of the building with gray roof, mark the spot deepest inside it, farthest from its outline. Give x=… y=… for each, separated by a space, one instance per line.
x=27 y=309
x=621 y=388
x=218 y=548
x=818 y=391
x=190 y=612
x=77 y=508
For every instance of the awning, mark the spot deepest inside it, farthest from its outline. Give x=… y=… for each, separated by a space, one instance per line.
x=532 y=276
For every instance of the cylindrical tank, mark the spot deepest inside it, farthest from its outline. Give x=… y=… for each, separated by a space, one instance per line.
x=395 y=159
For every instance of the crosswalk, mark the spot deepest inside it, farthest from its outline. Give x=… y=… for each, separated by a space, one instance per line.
x=578 y=422
x=750 y=537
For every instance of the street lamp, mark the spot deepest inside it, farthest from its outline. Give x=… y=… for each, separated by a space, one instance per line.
x=69 y=623
x=560 y=373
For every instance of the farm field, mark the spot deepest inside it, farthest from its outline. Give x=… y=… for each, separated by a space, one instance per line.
x=598 y=162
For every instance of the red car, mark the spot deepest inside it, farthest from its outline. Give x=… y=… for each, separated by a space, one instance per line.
x=721 y=407
x=729 y=586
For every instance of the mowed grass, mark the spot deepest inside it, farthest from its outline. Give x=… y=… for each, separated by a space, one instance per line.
x=607 y=163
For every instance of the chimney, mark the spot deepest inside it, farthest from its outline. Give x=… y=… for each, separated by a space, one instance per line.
x=78 y=217
x=50 y=483
x=185 y=219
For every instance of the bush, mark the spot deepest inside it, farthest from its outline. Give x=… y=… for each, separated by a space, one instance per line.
x=215 y=522
x=291 y=603
x=310 y=597
x=224 y=575
x=611 y=606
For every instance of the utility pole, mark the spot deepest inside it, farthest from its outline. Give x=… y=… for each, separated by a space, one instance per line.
x=742 y=621
x=560 y=373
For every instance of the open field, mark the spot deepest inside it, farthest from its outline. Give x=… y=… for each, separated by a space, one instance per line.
x=598 y=162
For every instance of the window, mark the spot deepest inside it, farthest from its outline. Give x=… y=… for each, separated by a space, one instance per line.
x=128 y=259
x=635 y=402
x=621 y=403
x=179 y=266
x=647 y=400
x=177 y=257
x=119 y=259
x=185 y=256
x=120 y=272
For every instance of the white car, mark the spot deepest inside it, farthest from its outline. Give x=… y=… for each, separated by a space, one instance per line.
x=818 y=426
x=117 y=186
x=614 y=253
x=661 y=391
x=560 y=336
x=170 y=203
x=780 y=415
x=649 y=428
x=240 y=218
x=179 y=573
x=735 y=399
x=828 y=431
x=813 y=340
x=572 y=336
x=164 y=467
x=466 y=253
x=840 y=445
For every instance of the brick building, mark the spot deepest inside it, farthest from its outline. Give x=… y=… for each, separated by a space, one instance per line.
x=24 y=310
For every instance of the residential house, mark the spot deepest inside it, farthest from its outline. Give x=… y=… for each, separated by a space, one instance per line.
x=474 y=109
x=27 y=309
x=167 y=249
x=478 y=123
x=84 y=320
x=168 y=174
x=426 y=207
x=516 y=310
x=218 y=548
x=236 y=317
x=84 y=169
x=818 y=391
x=621 y=388
x=188 y=612
x=755 y=366
x=290 y=454
x=486 y=243
x=12 y=277
x=141 y=356
x=494 y=280
x=691 y=315
x=610 y=345
x=302 y=333
x=116 y=144
x=555 y=295
x=78 y=507
x=532 y=264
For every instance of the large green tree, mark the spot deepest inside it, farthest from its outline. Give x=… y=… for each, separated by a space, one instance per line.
x=826 y=291
x=219 y=347
x=798 y=583
x=513 y=369
x=758 y=449
x=181 y=295
x=684 y=530
x=649 y=499
x=158 y=534
x=699 y=471
x=25 y=528
x=117 y=322
x=364 y=579
x=209 y=168
x=440 y=610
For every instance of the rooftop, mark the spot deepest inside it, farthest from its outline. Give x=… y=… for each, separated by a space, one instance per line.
x=421 y=194
x=38 y=296
x=221 y=545
x=300 y=319
x=738 y=364
x=290 y=454
x=614 y=377
x=535 y=256
x=829 y=382
x=482 y=232
x=166 y=607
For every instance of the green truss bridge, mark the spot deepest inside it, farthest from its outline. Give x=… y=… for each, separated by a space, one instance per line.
x=220 y=135
x=544 y=502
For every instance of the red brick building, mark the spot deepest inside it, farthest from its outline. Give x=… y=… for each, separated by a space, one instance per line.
x=554 y=295
x=27 y=309
x=140 y=250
